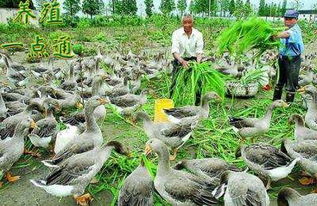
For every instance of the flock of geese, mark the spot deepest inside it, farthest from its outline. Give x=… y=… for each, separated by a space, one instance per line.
x=33 y=112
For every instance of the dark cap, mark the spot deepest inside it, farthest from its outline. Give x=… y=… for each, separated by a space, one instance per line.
x=291 y=14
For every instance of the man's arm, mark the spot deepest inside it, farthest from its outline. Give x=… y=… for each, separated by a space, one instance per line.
x=284 y=34
x=176 y=50
x=180 y=59
x=199 y=57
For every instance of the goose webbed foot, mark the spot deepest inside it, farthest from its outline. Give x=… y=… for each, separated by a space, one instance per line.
x=83 y=200
x=11 y=178
x=173 y=157
x=307 y=181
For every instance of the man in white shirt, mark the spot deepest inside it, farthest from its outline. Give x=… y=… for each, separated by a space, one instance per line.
x=187 y=45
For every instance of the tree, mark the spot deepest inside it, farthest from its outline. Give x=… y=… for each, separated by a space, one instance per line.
x=242 y=10
x=93 y=7
x=125 y=7
x=232 y=7
x=224 y=6
x=148 y=7
x=71 y=7
x=192 y=7
x=14 y=4
x=39 y=4
x=261 y=11
x=182 y=5
x=283 y=9
x=167 y=6
x=130 y=7
x=297 y=4
x=248 y=8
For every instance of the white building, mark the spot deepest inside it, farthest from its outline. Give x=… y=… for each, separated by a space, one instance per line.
x=309 y=15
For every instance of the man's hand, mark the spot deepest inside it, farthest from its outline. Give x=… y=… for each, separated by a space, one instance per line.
x=184 y=63
x=199 y=58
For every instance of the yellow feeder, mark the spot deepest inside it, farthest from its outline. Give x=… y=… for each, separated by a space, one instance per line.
x=160 y=104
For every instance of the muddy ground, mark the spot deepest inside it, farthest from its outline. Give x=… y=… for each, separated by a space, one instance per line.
x=23 y=193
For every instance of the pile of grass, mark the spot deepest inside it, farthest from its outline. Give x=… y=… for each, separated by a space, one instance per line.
x=197 y=78
x=242 y=36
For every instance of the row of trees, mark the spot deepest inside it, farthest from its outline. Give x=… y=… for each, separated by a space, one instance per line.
x=272 y=9
x=238 y=8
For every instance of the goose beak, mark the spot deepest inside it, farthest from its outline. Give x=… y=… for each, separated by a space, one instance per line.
x=302 y=89
x=105 y=77
x=147 y=150
x=102 y=101
x=33 y=125
x=79 y=105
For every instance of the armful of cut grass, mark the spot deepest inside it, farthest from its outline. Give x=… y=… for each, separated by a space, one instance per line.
x=242 y=36
x=198 y=78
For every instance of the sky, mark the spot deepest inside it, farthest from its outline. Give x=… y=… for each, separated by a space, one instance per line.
x=306 y=4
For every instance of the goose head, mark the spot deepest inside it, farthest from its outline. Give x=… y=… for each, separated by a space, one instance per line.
x=96 y=101
x=26 y=125
x=239 y=150
x=296 y=118
x=309 y=89
x=286 y=195
x=279 y=103
x=180 y=165
x=51 y=105
x=118 y=147
x=156 y=146
x=141 y=116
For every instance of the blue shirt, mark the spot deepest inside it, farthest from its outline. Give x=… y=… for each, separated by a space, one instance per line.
x=293 y=45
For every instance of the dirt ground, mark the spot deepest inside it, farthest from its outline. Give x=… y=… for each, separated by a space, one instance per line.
x=22 y=192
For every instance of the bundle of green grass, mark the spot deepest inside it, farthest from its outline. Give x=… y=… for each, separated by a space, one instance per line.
x=242 y=36
x=198 y=78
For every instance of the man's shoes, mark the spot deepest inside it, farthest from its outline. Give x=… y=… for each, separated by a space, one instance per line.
x=290 y=97
x=277 y=93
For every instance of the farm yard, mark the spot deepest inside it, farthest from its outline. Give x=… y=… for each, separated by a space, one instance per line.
x=122 y=66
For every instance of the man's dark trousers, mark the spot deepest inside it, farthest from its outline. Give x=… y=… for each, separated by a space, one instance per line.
x=288 y=76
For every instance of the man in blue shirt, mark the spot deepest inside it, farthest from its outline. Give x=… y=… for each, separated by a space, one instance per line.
x=289 y=61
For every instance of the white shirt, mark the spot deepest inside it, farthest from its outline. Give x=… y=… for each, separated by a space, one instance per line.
x=187 y=46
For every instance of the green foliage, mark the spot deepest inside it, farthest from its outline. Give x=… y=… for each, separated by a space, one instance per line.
x=125 y=7
x=14 y=4
x=272 y=9
x=100 y=37
x=232 y=7
x=242 y=10
x=39 y=4
x=78 y=49
x=93 y=7
x=245 y=35
x=204 y=7
x=167 y=6
x=84 y=23
x=72 y=7
x=224 y=6
x=148 y=7
x=181 y=5
x=70 y=21
x=197 y=78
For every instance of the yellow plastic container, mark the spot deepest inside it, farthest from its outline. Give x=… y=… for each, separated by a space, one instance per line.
x=160 y=104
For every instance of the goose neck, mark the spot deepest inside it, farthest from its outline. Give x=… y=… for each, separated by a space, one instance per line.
x=91 y=123
x=164 y=163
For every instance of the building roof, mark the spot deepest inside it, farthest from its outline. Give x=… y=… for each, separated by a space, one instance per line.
x=307 y=11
